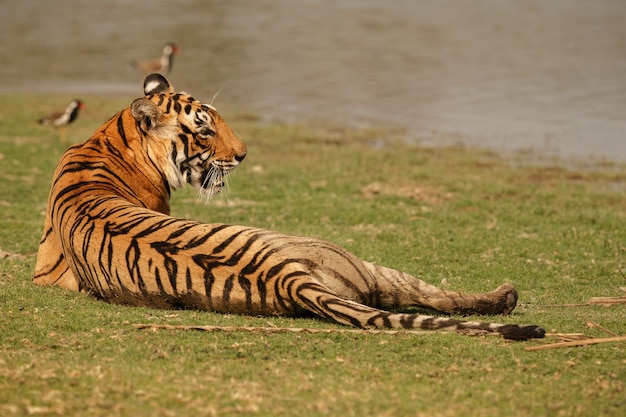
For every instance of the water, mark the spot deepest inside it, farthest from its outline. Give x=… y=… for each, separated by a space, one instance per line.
x=549 y=77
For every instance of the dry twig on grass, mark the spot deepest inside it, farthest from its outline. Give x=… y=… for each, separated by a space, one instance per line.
x=568 y=337
x=592 y=341
x=604 y=329
x=607 y=300
x=592 y=301
x=275 y=329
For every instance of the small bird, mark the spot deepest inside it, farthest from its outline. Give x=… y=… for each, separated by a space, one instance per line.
x=162 y=65
x=63 y=118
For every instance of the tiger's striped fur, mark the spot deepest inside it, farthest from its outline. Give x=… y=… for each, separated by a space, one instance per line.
x=108 y=233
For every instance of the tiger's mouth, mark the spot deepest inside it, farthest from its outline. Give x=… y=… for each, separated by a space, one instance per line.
x=213 y=181
x=209 y=179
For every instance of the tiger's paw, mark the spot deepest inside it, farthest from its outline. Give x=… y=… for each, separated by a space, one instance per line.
x=502 y=300
x=516 y=332
x=507 y=294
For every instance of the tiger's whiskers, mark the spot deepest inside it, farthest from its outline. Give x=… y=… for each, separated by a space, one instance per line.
x=226 y=187
x=209 y=189
x=215 y=96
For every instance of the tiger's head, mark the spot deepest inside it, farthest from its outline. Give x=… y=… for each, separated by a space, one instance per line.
x=189 y=139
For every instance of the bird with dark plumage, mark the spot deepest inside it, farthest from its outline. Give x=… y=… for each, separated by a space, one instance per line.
x=161 y=65
x=63 y=118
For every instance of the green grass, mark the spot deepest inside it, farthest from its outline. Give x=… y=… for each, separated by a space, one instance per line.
x=466 y=219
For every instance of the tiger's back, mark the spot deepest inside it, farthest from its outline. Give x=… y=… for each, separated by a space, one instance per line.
x=108 y=232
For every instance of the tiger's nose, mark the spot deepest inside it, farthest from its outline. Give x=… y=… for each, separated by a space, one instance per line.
x=240 y=157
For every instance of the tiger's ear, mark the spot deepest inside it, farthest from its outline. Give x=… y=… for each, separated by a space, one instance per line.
x=156 y=84
x=146 y=113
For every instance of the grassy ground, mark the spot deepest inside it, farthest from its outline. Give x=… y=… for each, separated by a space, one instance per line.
x=469 y=220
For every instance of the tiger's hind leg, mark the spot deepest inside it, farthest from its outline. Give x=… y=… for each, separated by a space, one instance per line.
x=309 y=294
x=397 y=289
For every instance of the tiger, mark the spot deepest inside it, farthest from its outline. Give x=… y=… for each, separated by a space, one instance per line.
x=108 y=233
